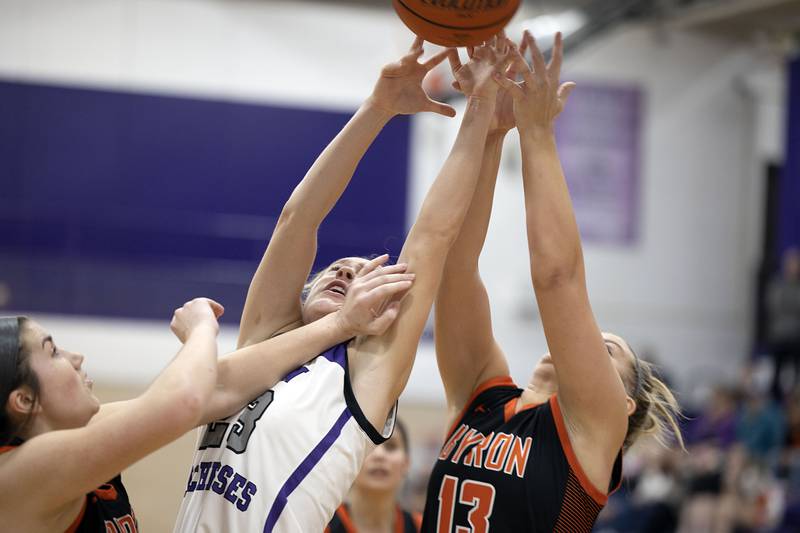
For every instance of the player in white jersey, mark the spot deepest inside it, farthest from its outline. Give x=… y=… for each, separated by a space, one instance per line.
x=286 y=461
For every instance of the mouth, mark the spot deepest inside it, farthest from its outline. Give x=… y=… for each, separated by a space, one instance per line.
x=378 y=472
x=88 y=382
x=337 y=287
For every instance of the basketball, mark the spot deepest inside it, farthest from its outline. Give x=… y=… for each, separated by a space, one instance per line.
x=456 y=22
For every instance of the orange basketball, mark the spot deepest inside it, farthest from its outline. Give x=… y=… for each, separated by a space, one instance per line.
x=456 y=22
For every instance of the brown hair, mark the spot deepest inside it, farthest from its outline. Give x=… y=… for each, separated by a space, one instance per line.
x=400 y=427
x=15 y=372
x=657 y=411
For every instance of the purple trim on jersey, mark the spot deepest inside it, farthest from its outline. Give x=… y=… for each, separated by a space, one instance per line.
x=337 y=354
x=294 y=373
x=303 y=470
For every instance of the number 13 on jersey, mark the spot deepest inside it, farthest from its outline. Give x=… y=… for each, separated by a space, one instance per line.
x=475 y=494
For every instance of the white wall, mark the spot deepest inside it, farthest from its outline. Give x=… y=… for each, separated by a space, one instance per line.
x=713 y=115
x=683 y=290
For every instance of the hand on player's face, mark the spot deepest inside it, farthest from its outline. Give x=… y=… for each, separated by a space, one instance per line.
x=373 y=298
x=399 y=88
x=539 y=99
x=477 y=77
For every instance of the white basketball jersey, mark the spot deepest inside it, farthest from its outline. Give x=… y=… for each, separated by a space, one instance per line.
x=285 y=462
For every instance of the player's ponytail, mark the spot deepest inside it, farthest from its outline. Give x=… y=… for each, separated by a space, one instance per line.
x=15 y=372
x=657 y=410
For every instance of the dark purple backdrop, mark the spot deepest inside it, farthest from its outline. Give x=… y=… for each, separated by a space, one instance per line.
x=126 y=204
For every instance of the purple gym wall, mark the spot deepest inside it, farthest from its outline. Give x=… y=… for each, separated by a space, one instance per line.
x=122 y=204
x=789 y=208
x=599 y=145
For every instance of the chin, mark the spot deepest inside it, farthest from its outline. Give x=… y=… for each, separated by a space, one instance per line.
x=373 y=485
x=544 y=373
x=318 y=309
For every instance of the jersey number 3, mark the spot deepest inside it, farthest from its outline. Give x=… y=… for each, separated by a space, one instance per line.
x=479 y=496
x=242 y=429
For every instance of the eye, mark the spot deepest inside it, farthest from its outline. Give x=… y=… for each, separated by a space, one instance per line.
x=334 y=268
x=609 y=350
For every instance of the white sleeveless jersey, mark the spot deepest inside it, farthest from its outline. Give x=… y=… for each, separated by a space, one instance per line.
x=285 y=462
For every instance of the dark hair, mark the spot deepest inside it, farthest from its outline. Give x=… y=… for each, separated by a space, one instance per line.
x=401 y=427
x=15 y=372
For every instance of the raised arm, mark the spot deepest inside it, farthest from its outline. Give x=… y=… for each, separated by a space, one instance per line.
x=466 y=350
x=273 y=299
x=429 y=240
x=590 y=389
x=60 y=466
x=249 y=371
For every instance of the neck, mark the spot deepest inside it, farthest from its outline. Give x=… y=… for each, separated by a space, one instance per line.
x=541 y=389
x=373 y=510
x=34 y=428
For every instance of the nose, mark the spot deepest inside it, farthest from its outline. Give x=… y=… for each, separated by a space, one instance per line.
x=345 y=272
x=379 y=451
x=76 y=359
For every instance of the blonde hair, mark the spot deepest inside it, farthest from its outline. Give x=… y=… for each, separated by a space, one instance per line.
x=312 y=279
x=657 y=411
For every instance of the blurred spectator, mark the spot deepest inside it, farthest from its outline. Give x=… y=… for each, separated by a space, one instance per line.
x=761 y=427
x=716 y=424
x=650 y=494
x=706 y=470
x=373 y=499
x=783 y=321
x=789 y=470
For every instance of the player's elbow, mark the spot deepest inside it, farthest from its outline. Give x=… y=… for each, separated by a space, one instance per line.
x=294 y=214
x=185 y=406
x=432 y=238
x=549 y=273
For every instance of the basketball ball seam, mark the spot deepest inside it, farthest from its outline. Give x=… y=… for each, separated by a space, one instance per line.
x=464 y=28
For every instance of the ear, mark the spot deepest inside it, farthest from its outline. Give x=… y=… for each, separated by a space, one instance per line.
x=630 y=405
x=21 y=403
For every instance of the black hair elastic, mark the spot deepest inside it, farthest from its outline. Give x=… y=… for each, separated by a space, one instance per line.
x=10 y=348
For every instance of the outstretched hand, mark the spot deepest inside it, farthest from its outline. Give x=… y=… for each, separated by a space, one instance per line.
x=399 y=88
x=503 y=118
x=373 y=298
x=539 y=98
x=486 y=62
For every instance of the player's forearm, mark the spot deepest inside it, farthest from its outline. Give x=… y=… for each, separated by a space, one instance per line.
x=464 y=254
x=330 y=174
x=553 y=238
x=187 y=384
x=449 y=197
x=247 y=372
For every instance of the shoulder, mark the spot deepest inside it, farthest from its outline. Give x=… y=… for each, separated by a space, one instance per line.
x=488 y=396
x=20 y=504
x=596 y=467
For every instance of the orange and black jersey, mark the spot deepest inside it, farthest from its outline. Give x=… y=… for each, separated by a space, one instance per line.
x=404 y=522
x=502 y=471
x=105 y=510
